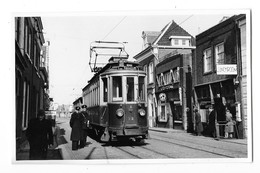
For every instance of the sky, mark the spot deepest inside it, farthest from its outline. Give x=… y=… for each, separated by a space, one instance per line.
x=70 y=37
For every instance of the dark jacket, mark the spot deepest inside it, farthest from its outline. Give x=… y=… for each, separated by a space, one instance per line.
x=76 y=123
x=39 y=133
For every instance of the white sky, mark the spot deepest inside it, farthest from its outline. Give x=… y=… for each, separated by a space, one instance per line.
x=70 y=36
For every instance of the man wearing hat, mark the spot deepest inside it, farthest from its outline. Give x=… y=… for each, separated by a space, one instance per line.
x=77 y=132
x=40 y=136
x=84 y=125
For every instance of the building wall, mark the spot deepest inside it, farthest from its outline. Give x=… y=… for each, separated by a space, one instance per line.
x=244 y=109
x=209 y=40
x=29 y=83
x=220 y=90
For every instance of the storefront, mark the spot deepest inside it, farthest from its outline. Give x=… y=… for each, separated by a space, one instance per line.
x=220 y=96
x=169 y=107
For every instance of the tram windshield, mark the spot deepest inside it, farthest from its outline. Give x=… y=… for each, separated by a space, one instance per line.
x=130 y=89
x=117 y=88
x=141 y=88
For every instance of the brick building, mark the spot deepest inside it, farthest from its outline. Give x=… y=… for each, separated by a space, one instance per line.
x=217 y=70
x=31 y=78
x=157 y=44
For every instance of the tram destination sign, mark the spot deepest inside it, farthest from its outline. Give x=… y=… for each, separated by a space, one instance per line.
x=227 y=69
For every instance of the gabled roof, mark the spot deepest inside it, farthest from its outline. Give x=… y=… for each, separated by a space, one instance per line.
x=171 y=29
x=151 y=35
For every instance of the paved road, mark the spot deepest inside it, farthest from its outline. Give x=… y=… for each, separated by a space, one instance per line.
x=175 y=144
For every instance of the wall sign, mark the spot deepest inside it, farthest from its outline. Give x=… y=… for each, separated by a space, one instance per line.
x=162 y=97
x=227 y=69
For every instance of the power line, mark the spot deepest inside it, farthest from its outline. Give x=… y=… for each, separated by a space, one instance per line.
x=115 y=27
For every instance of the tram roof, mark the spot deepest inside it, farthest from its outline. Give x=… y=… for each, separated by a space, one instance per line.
x=113 y=62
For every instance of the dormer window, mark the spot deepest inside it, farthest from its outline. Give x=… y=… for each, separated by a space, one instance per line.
x=180 y=41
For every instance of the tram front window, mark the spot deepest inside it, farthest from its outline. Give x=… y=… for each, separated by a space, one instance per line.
x=141 y=88
x=117 y=88
x=130 y=89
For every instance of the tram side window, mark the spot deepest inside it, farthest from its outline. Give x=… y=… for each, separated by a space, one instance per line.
x=130 y=89
x=117 y=88
x=104 y=89
x=141 y=87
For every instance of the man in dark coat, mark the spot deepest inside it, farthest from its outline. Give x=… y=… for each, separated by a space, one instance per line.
x=40 y=136
x=85 y=125
x=77 y=132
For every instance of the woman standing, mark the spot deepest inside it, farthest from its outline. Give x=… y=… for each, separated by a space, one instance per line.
x=229 y=128
x=77 y=132
x=199 y=127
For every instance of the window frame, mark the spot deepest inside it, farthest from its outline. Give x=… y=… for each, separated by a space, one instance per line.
x=143 y=89
x=221 y=53
x=205 y=63
x=151 y=73
x=162 y=104
x=117 y=99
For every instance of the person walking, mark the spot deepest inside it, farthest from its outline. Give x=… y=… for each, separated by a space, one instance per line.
x=76 y=122
x=40 y=136
x=199 y=127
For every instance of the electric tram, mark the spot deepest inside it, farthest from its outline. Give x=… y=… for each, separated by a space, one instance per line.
x=116 y=96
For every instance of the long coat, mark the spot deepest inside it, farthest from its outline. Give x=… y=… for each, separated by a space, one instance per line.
x=229 y=128
x=39 y=133
x=199 y=127
x=76 y=123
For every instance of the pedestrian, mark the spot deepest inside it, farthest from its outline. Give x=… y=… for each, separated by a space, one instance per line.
x=229 y=127
x=211 y=123
x=199 y=127
x=40 y=136
x=76 y=129
x=85 y=124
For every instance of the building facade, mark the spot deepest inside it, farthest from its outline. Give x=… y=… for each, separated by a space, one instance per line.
x=217 y=75
x=31 y=78
x=156 y=46
x=173 y=91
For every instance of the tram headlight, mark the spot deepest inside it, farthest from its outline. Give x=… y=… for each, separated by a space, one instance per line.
x=120 y=112
x=141 y=112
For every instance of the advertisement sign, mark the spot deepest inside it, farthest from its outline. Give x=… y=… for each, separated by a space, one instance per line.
x=162 y=96
x=227 y=69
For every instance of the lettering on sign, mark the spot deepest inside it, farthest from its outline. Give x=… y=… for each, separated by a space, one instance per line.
x=227 y=69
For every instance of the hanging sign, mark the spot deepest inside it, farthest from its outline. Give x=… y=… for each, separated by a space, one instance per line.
x=227 y=69
x=162 y=97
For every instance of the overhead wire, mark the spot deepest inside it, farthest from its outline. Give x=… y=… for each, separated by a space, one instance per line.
x=115 y=27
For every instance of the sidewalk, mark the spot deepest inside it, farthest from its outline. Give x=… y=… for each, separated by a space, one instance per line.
x=23 y=154
x=168 y=130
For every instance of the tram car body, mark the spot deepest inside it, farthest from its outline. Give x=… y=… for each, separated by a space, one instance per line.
x=116 y=101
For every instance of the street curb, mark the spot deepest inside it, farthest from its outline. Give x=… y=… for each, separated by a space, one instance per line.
x=157 y=130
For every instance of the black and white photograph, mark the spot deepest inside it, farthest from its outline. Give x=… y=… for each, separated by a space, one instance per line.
x=135 y=88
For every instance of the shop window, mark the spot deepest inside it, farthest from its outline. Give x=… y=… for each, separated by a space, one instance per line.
x=167 y=78
x=162 y=112
x=117 y=88
x=207 y=57
x=130 y=88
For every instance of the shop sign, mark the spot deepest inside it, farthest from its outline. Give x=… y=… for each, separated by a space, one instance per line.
x=162 y=97
x=227 y=69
